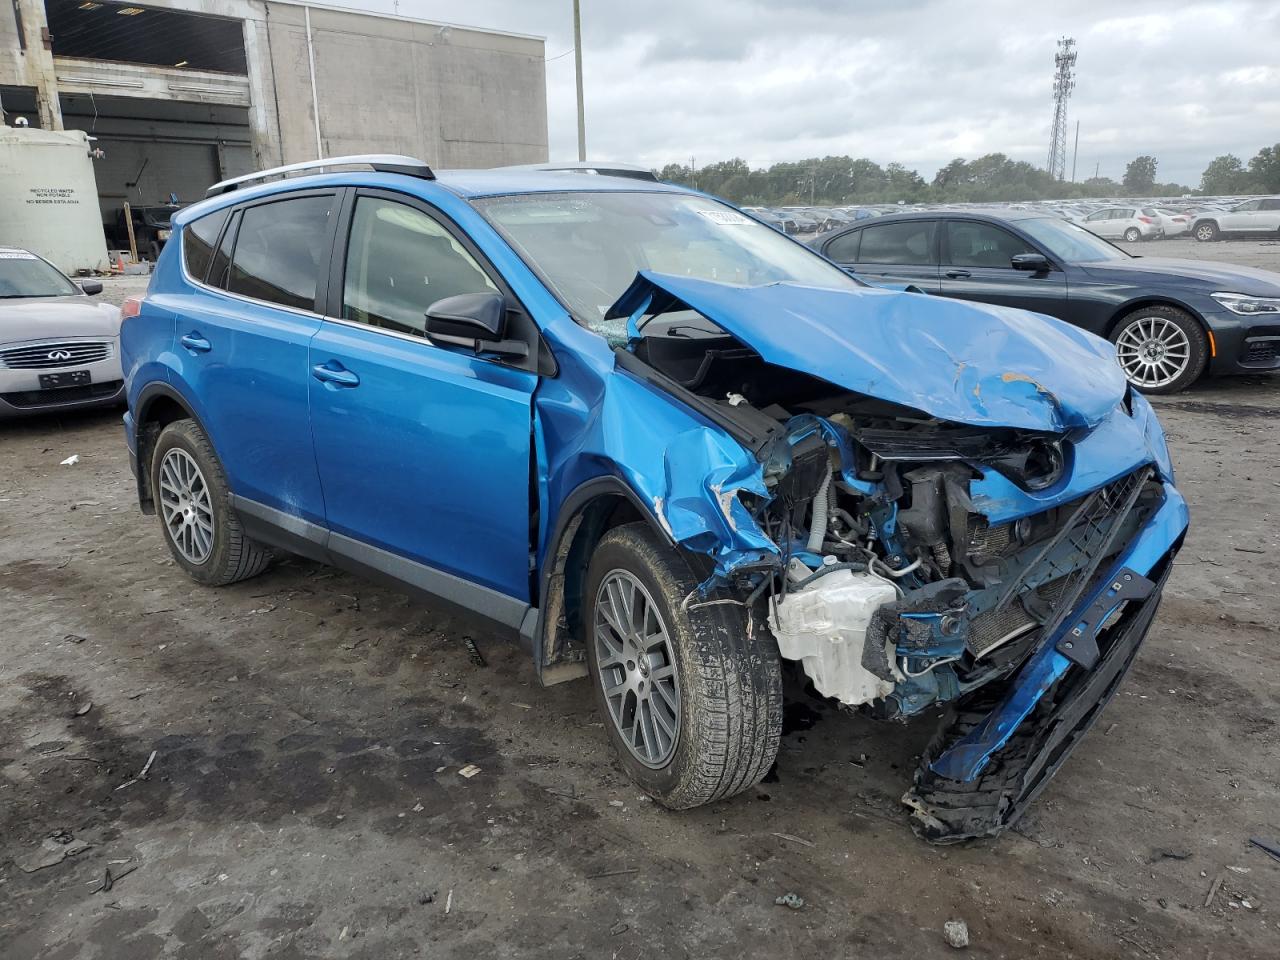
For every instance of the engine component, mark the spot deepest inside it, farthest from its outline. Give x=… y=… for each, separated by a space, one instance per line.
x=932 y=622
x=824 y=626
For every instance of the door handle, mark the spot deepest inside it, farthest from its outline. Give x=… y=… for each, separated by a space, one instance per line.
x=335 y=374
x=958 y=274
x=196 y=343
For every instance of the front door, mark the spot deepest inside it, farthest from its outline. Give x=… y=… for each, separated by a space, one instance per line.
x=977 y=265
x=423 y=450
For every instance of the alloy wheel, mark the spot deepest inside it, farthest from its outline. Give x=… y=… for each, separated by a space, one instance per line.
x=185 y=505
x=637 y=668
x=1153 y=351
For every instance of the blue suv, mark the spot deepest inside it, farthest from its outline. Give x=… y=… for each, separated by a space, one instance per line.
x=666 y=447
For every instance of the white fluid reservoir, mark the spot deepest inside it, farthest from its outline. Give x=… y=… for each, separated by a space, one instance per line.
x=49 y=197
x=824 y=626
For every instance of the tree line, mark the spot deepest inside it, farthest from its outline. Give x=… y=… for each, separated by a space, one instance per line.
x=994 y=177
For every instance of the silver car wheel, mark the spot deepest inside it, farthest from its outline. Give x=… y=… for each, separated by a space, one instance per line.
x=637 y=668
x=185 y=506
x=1153 y=351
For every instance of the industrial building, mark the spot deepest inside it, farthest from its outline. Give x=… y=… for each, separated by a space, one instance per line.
x=179 y=96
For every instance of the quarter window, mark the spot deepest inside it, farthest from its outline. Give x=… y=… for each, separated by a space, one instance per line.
x=279 y=248
x=908 y=242
x=198 y=240
x=399 y=262
x=844 y=249
x=972 y=244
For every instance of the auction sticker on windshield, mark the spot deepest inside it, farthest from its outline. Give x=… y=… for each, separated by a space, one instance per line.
x=16 y=255
x=725 y=217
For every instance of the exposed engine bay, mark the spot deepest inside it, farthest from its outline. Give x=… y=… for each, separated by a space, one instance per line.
x=891 y=587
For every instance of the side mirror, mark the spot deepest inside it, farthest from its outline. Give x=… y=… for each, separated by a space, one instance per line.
x=91 y=287
x=1034 y=262
x=477 y=321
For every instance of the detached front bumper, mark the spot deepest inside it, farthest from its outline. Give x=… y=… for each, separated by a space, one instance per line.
x=993 y=755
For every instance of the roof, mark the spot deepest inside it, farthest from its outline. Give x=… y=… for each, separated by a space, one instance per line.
x=491 y=183
x=1009 y=216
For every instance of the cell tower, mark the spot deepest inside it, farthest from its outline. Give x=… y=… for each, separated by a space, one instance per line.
x=1064 y=81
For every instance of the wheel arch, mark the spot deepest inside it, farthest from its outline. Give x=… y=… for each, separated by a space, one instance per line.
x=586 y=514
x=1156 y=300
x=157 y=406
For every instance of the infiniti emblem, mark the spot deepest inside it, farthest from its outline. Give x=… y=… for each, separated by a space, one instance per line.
x=59 y=354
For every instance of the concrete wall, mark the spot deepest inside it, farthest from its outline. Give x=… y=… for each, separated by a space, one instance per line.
x=450 y=96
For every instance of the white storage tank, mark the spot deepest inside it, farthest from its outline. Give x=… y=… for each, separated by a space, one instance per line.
x=49 y=197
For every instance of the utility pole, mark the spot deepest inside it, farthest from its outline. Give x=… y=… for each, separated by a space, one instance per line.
x=1075 y=153
x=1063 y=83
x=693 y=171
x=577 y=63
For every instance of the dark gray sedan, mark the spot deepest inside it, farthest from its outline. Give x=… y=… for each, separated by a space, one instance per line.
x=59 y=350
x=1171 y=320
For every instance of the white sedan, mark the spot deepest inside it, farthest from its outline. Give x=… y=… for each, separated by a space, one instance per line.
x=59 y=350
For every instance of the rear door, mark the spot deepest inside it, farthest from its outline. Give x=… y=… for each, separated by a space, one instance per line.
x=1242 y=217
x=1101 y=223
x=241 y=348
x=976 y=265
x=898 y=252
x=1269 y=216
x=423 y=450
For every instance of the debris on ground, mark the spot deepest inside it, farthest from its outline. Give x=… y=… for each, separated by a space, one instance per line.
x=1213 y=888
x=791 y=901
x=110 y=879
x=469 y=771
x=794 y=839
x=956 y=933
x=1269 y=846
x=1158 y=855
x=53 y=850
x=618 y=928
x=84 y=708
x=71 y=461
x=143 y=774
x=477 y=658
x=448 y=904
x=73 y=638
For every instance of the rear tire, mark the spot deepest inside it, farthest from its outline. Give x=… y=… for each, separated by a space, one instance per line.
x=1133 y=235
x=722 y=693
x=1160 y=348
x=193 y=502
x=1206 y=232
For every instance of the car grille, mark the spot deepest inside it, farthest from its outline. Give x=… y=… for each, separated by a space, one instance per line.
x=1051 y=582
x=61 y=395
x=44 y=356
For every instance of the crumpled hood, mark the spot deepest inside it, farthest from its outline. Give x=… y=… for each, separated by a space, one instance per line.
x=964 y=362
x=1225 y=277
x=50 y=318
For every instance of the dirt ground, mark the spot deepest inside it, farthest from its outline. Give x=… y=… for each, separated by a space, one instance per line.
x=308 y=729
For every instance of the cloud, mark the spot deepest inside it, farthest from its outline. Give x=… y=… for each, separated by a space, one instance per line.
x=917 y=81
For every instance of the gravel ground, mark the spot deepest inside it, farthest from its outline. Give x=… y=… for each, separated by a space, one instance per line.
x=308 y=729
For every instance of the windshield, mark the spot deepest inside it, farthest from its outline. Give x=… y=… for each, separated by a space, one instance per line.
x=589 y=246
x=1069 y=242
x=24 y=274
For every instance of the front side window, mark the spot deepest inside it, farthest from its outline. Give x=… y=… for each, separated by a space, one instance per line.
x=1272 y=204
x=589 y=245
x=982 y=245
x=909 y=242
x=1247 y=205
x=197 y=242
x=399 y=262
x=25 y=275
x=279 y=249
x=1069 y=243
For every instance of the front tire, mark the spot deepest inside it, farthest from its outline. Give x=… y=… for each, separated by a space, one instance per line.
x=691 y=700
x=1161 y=349
x=1206 y=232
x=193 y=502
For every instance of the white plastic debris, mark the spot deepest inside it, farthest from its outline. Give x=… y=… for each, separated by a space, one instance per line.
x=71 y=461
x=469 y=771
x=956 y=933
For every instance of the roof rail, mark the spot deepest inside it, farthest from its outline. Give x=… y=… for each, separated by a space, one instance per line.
x=379 y=162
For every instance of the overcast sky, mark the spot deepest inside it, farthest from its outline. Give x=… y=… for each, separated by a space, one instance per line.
x=916 y=81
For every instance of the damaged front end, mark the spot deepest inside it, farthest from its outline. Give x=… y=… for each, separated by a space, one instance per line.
x=925 y=518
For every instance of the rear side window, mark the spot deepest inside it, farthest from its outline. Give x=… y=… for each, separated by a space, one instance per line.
x=909 y=242
x=1272 y=204
x=844 y=249
x=399 y=262
x=279 y=249
x=197 y=242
